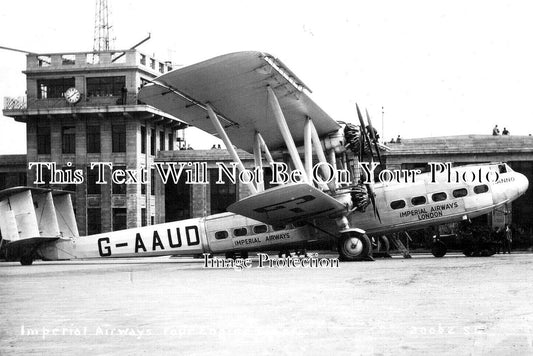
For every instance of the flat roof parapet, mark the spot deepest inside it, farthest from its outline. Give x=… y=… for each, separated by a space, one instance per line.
x=43 y=62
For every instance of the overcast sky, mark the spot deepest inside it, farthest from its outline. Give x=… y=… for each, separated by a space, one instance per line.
x=438 y=68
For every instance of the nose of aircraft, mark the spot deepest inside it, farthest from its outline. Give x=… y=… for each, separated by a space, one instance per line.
x=523 y=183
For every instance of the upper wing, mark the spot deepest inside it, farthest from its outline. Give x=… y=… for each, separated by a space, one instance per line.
x=235 y=86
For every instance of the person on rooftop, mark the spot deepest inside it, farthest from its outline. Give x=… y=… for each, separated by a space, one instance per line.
x=495 y=131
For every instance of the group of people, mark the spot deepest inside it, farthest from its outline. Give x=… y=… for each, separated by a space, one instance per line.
x=216 y=147
x=504 y=238
x=496 y=131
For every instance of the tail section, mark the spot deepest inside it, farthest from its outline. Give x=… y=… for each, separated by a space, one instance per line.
x=31 y=217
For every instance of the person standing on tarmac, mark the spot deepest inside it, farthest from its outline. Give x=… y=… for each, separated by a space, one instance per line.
x=507 y=239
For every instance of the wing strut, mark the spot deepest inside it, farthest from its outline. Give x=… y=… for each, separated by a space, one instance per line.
x=269 y=158
x=222 y=134
x=308 y=147
x=317 y=145
x=258 y=161
x=285 y=132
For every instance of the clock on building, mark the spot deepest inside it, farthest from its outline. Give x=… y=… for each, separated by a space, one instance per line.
x=72 y=95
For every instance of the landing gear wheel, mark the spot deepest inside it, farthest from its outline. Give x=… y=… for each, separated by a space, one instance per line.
x=26 y=260
x=230 y=255
x=468 y=252
x=384 y=244
x=244 y=254
x=439 y=249
x=355 y=247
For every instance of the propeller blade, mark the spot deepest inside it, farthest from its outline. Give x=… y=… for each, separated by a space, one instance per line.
x=374 y=138
x=364 y=133
x=373 y=200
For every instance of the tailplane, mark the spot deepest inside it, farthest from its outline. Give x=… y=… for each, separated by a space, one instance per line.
x=32 y=217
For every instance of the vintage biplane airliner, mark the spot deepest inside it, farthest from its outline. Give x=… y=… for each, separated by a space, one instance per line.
x=251 y=100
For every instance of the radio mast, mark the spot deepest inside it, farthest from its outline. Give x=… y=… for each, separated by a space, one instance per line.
x=102 y=27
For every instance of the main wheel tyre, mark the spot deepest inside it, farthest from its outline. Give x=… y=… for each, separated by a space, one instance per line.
x=439 y=249
x=26 y=260
x=354 y=247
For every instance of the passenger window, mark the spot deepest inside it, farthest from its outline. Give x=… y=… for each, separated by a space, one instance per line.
x=483 y=188
x=502 y=168
x=418 y=200
x=240 y=232
x=397 y=204
x=221 y=235
x=300 y=224
x=459 y=193
x=439 y=196
x=278 y=227
x=259 y=229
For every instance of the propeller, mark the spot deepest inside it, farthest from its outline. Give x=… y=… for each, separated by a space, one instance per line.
x=365 y=138
x=374 y=137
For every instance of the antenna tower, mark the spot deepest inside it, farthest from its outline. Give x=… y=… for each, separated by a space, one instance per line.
x=102 y=27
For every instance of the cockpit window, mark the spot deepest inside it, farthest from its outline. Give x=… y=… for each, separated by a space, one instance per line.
x=483 y=188
x=439 y=196
x=259 y=229
x=240 y=232
x=503 y=168
x=459 y=193
x=418 y=200
x=397 y=204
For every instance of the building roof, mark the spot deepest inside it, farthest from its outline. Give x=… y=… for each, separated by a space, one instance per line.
x=461 y=144
x=201 y=155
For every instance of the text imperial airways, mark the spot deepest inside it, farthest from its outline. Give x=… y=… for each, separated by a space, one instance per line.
x=197 y=173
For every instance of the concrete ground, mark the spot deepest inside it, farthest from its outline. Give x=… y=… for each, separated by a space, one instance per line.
x=453 y=305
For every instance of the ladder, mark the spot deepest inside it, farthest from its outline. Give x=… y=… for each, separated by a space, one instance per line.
x=395 y=239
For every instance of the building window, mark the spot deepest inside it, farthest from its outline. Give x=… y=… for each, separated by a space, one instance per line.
x=152 y=142
x=93 y=139
x=43 y=140
x=120 y=218
x=170 y=142
x=94 y=221
x=143 y=139
x=118 y=133
x=119 y=188
x=161 y=141
x=144 y=220
x=222 y=195
x=143 y=188
x=53 y=88
x=105 y=86
x=68 y=172
x=152 y=181
x=92 y=178
x=68 y=139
